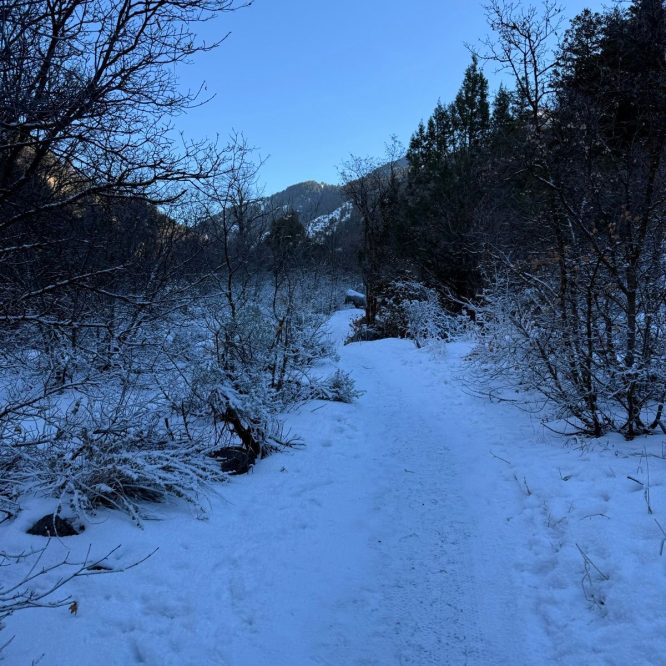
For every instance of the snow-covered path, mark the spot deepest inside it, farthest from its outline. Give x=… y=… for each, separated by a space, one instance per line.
x=374 y=557
x=429 y=592
x=402 y=533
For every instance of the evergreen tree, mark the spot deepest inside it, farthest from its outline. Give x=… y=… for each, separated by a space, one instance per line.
x=446 y=155
x=287 y=237
x=470 y=110
x=503 y=118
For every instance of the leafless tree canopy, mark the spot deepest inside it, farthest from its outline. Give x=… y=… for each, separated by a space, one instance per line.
x=88 y=92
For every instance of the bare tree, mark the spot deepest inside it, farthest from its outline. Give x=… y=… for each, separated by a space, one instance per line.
x=88 y=94
x=589 y=305
x=524 y=42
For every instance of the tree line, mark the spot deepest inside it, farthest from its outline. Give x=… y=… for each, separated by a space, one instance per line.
x=541 y=209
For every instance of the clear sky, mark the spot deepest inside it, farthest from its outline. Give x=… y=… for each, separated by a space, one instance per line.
x=310 y=82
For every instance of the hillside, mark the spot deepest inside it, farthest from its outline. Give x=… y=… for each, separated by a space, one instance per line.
x=309 y=199
x=322 y=209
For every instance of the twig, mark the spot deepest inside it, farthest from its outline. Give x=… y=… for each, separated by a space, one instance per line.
x=591 y=563
x=19 y=596
x=499 y=458
x=592 y=515
x=646 y=493
x=523 y=485
x=663 y=541
x=586 y=581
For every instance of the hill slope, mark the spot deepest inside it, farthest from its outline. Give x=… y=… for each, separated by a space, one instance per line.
x=322 y=209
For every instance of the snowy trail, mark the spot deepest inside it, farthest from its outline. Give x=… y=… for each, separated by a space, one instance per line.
x=419 y=525
x=392 y=577
x=432 y=587
x=382 y=565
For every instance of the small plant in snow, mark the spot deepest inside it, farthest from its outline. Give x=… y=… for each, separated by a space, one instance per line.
x=590 y=586
x=339 y=387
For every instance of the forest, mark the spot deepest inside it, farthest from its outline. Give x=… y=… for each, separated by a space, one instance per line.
x=159 y=315
x=540 y=212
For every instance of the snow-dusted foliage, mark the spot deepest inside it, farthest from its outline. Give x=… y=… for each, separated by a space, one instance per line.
x=425 y=319
x=406 y=309
x=572 y=349
x=339 y=387
x=105 y=448
x=263 y=347
x=118 y=421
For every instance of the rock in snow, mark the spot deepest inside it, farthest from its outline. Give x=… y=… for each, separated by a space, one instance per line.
x=52 y=526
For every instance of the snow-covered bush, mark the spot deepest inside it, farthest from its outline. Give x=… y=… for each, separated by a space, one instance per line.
x=339 y=387
x=568 y=348
x=266 y=346
x=406 y=309
x=235 y=411
x=139 y=422
x=425 y=319
x=117 y=454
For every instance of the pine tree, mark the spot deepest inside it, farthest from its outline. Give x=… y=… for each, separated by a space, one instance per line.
x=470 y=110
x=503 y=117
x=446 y=155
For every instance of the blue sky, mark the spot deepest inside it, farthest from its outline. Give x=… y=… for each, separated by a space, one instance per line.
x=310 y=82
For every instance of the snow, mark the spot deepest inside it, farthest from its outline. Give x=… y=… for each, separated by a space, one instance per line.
x=324 y=225
x=422 y=524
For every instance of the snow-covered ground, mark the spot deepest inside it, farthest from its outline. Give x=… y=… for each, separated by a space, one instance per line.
x=420 y=525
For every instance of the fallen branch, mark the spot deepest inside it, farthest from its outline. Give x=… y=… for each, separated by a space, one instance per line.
x=22 y=595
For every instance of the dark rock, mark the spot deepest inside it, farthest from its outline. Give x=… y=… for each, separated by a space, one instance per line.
x=53 y=526
x=234 y=459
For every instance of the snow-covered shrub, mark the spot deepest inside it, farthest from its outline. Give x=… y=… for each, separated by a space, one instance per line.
x=425 y=319
x=406 y=309
x=97 y=453
x=139 y=423
x=249 y=359
x=266 y=347
x=574 y=362
x=339 y=387
x=237 y=411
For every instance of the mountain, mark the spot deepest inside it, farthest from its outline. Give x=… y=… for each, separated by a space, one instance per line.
x=322 y=208
x=309 y=199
